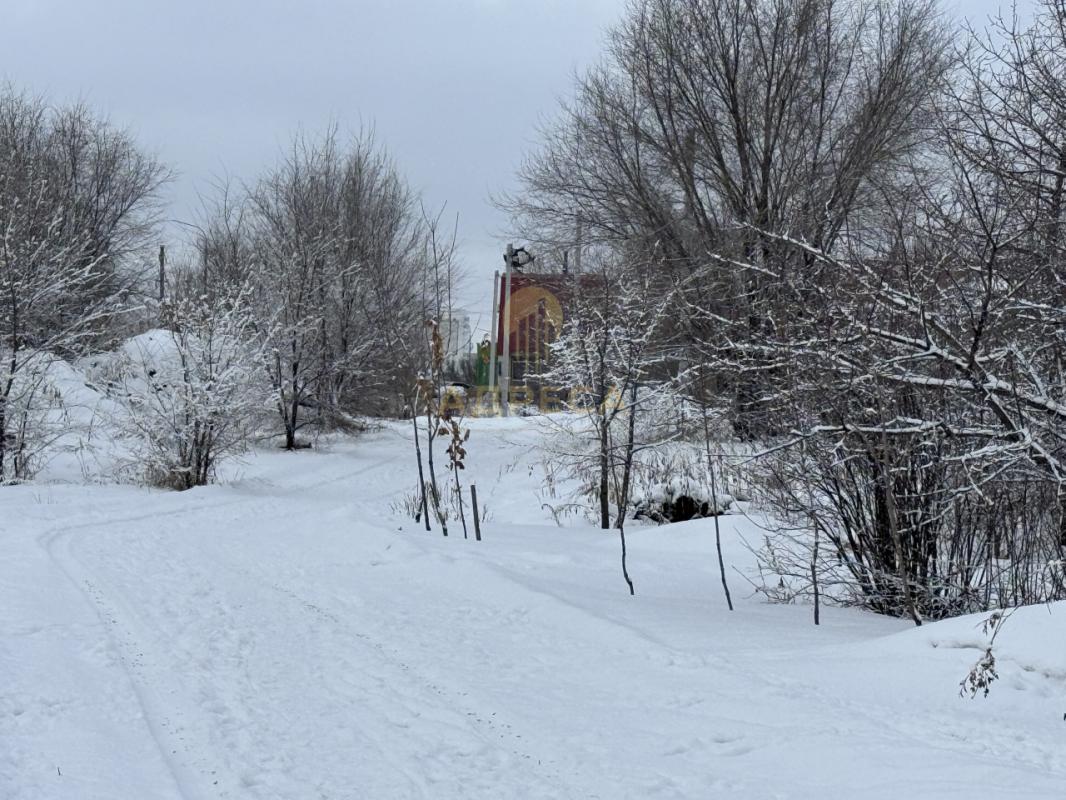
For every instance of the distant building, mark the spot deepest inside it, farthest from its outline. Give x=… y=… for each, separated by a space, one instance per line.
x=540 y=305
x=456 y=333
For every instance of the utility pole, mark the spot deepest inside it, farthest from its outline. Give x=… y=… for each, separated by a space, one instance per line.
x=493 y=331
x=577 y=248
x=505 y=374
x=162 y=271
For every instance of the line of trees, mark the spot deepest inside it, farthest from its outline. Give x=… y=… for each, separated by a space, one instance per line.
x=338 y=252
x=299 y=298
x=856 y=207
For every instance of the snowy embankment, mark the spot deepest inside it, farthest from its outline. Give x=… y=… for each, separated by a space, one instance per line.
x=290 y=636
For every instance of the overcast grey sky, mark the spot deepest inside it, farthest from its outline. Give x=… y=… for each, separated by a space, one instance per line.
x=454 y=88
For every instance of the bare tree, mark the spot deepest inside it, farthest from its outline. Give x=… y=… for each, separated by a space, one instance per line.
x=335 y=244
x=428 y=360
x=609 y=358
x=194 y=393
x=861 y=227
x=77 y=205
x=713 y=120
x=936 y=356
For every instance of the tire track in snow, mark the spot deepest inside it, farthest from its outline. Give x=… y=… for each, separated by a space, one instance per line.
x=456 y=700
x=158 y=714
x=419 y=690
x=55 y=543
x=151 y=708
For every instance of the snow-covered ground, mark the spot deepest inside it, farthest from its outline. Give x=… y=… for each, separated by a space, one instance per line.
x=290 y=635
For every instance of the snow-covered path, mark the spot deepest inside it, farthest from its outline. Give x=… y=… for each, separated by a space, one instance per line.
x=288 y=636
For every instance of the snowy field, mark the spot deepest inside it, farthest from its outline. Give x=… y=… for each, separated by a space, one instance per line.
x=290 y=635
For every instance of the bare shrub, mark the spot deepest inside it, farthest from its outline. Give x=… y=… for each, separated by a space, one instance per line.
x=912 y=525
x=195 y=391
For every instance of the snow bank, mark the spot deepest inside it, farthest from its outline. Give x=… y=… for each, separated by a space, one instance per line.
x=1031 y=639
x=131 y=367
x=80 y=410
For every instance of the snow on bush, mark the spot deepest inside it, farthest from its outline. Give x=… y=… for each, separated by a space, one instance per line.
x=51 y=414
x=678 y=501
x=672 y=485
x=670 y=479
x=192 y=393
x=30 y=415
